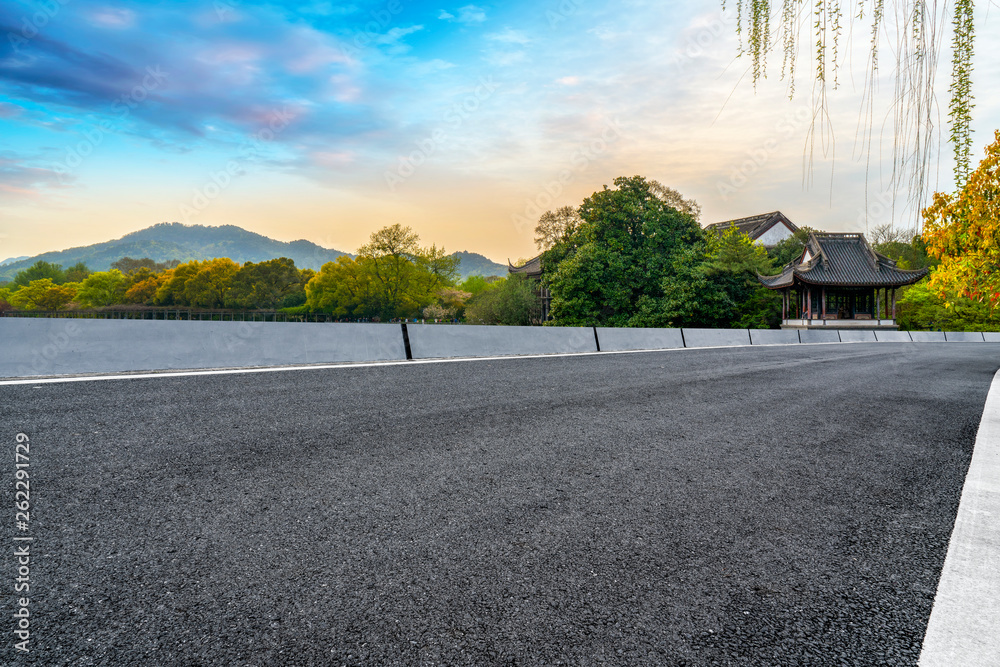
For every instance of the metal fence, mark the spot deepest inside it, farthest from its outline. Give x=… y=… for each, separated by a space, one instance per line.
x=193 y=314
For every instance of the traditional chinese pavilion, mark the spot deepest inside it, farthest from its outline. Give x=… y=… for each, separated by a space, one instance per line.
x=840 y=282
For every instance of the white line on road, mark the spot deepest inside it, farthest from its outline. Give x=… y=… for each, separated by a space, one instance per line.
x=124 y=375
x=964 y=628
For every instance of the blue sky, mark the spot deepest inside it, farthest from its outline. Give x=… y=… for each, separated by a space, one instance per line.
x=329 y=120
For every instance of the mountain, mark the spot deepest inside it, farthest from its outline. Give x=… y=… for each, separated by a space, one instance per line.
x=172 y=240
x=474 y=264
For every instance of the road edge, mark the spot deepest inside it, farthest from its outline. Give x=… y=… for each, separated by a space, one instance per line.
x=965 y=617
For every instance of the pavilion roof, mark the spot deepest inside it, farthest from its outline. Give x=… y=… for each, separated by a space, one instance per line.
x=753 y=226
x=532 y=268
x=842 y=260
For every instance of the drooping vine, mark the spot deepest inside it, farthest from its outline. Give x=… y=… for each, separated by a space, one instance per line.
x=960 y=107
x=915 y=29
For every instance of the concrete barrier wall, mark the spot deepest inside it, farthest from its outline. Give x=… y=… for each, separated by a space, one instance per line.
x=773 y=336
x=53 y=346
x=857 y=336
x=893 y=336
x=963 y=336
x=819 y=336
x=429 y=341
x=615 y=339
x=715 y=337
x=927 y=336
x=42 y=346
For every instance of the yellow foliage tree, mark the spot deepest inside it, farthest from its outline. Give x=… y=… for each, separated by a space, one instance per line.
x=963 y=231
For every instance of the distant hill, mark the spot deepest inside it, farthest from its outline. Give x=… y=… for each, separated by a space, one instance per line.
x=474 y=264
x=172 y=240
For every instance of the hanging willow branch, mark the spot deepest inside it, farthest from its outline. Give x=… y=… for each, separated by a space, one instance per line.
x=960 y=108
x=917 y=26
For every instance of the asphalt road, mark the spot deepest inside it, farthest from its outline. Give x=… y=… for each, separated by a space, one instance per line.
x=749 y=506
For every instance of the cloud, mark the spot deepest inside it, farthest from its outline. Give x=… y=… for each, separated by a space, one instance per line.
x=113 y=17
x=568 y=81
x=393 y=39
x=466 y=14
x=509 y=36
x=20 y=179
x=434 y=66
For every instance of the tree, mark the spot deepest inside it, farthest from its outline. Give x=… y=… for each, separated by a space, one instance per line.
x=104 y=288
x=733 y=263
x=552 y=226
x=275 y=283
x=910 y=252
x=77 y=273
x=620 y=253
x=391 y=253
x=917 y=29
x=345 y=288
x=963 y=232
x=509 y=301
x=474 y=285
x=41 y=270
x=209 y=287
x=42 y=294
x=790 y=249
x=922 y=308
x=128 y=265
x=143 y=291
x=173 y=283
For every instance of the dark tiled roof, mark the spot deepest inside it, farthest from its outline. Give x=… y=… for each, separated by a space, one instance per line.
x=844 y=260
x=755 y=225
x=532 y=268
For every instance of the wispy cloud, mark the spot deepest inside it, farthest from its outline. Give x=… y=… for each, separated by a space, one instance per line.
x=466 y=14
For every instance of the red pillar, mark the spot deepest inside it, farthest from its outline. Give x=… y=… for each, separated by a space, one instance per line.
x=809 y=303
x=822 y=304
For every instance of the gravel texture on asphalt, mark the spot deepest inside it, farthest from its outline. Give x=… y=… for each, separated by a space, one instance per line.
x=768 y=506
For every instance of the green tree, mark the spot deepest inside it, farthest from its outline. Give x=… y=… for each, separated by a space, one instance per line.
x=553 y=226
x=923 y=308
x=510 y=301
x=390 y=256
x=618 y=256
x=77 y=273
x=43 y=294
x=474 y=284
x=209 y=287
x=733 y=263
x=275 y=283
x=40 y=270
x=105 y=288
x=345 y=288
x=173 y=284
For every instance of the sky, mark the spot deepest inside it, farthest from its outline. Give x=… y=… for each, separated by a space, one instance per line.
x=329 y=120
